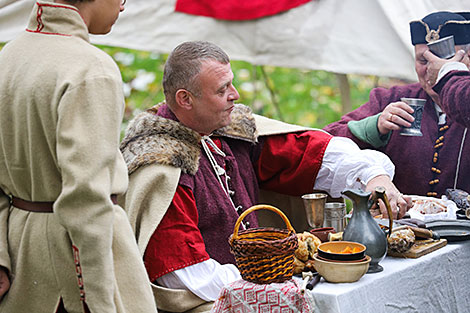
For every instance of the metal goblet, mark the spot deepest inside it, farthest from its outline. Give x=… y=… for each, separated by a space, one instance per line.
x=314 y=204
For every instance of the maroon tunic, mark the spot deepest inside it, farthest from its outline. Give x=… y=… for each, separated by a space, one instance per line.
x=422 y=167
x=454 y=93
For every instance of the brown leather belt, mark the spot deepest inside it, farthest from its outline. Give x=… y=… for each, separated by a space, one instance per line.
x=40 y=207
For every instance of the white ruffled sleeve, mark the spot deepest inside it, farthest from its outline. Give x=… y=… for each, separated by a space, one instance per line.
x=204 y=279
x=345 y=166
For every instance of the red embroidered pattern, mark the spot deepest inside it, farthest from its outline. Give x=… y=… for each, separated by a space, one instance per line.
x=242 y=296
x=56 y=6
x=40 y=26
x=38 y=19
x=78 y=269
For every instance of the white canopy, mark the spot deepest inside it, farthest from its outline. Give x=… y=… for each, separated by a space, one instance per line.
x=341 y=36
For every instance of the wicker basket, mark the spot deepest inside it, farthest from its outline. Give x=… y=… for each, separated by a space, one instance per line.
x=264 y=255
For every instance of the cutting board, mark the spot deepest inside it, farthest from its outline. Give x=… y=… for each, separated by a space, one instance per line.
x=420 y=248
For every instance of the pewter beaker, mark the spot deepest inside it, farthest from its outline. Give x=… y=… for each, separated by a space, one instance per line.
x=443 y=48
x=335 y=213
x=418 y=106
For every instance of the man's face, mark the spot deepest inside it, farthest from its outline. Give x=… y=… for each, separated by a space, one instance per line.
x=421 y=66
x=212 y=107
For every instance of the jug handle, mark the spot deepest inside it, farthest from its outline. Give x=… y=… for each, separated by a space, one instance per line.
x=380 y=194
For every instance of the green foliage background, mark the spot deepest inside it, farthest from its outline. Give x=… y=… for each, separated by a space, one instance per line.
x=304 y=97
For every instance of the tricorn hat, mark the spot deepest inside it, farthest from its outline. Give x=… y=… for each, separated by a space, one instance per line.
x=439 y=25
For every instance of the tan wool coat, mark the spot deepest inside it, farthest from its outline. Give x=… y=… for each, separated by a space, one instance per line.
x=154 y=177
x=61 y=107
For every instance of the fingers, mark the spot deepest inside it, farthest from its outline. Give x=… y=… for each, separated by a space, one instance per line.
x=430 y=57
x=384 y=211
x=4 y=283
x=403 y=207
x=394 y=116
x=459 y=55
x=398 y=204
x=435 y=63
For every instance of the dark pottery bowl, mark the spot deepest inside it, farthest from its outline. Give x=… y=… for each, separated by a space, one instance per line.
x=332 y=251
x=322 y=233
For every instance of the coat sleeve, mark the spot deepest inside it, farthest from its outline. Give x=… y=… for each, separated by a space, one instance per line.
x=379 y=98
x=454 y=92
x=89 y=121
x=4 y=213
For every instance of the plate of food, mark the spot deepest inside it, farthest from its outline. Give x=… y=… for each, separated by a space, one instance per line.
x=429 y=209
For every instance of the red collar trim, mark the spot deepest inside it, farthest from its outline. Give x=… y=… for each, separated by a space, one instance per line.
x=41 y=24
x=46 y=33
x=57 y=6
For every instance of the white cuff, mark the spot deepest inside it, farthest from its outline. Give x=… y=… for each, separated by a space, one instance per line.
x=451 y=66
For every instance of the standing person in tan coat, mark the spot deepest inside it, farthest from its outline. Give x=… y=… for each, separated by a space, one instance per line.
x=65 y=246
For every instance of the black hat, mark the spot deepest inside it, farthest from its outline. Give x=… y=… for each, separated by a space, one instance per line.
x=439 y=25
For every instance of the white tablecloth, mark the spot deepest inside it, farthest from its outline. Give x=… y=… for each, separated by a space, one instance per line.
x=436 y=282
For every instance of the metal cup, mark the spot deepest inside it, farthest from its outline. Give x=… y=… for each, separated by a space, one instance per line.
x=418 y=106
x=335 y=213
x=443 y=48
x=314 y=204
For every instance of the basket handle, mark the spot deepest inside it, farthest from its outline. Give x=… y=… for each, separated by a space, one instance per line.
x=259 y=207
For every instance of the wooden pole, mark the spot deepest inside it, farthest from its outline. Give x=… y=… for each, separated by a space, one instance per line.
x=345 y=92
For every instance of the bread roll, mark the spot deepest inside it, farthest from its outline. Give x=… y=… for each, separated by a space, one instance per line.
x=302 y=251
x=312 y=242
x=298 y=266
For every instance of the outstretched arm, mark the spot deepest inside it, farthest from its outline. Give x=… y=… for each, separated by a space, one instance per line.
x=346 y=166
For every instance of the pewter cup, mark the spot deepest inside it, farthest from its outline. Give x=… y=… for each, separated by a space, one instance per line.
x=335 y=213
x=443 y=48
x=418 y=106
x=314 y=204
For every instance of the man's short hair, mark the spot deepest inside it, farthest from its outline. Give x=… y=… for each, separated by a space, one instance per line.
x=184 y=64
x=439 y=25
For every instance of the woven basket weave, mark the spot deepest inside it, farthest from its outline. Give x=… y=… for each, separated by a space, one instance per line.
x=264 y=255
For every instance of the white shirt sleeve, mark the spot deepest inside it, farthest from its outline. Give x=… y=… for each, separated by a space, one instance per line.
x=204 y=279
x=345 y=165
x=451 y=66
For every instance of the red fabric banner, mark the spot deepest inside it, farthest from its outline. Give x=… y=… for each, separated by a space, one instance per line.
x=236 y=10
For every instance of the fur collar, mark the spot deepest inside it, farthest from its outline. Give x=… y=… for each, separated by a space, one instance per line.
x=152 y=139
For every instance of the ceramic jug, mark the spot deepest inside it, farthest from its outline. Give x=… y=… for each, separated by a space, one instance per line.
x=364 y=229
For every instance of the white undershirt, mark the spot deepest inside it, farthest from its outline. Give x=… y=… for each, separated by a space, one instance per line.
x=451 y=66
x=344 y=166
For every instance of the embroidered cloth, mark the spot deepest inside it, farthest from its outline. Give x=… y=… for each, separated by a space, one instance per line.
x=246 y=297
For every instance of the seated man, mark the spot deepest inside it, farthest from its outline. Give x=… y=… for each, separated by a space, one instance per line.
x=452 y=85
x=429 y=164
x=197 y=161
